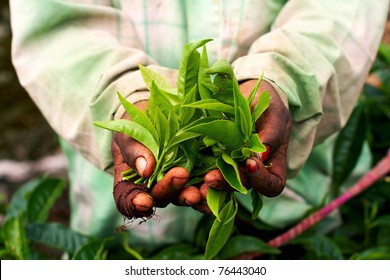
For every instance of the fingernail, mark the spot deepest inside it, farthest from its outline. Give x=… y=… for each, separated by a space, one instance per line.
x=251 y=166
x=179 y=182
x=140 y=165
x=142 y=202
x=264 y=155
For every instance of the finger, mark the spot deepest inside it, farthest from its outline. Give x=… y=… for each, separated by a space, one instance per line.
x=203 y=192
x=189 y=196
x=120 y=164
x=215 y=179
x=132 y=153
x=272 y=124
x=168 y=188
x=271 y=180
x=132 y=201
x=203 y=208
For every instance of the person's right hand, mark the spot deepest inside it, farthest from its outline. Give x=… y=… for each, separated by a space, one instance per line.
x=136 y=201
x=265 y=173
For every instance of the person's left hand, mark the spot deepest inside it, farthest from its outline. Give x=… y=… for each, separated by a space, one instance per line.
x=266 y=172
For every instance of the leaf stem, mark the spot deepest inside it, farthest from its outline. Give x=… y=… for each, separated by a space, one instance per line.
x=126 y=178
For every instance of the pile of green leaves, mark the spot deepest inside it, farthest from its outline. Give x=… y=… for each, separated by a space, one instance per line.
x=204 y=123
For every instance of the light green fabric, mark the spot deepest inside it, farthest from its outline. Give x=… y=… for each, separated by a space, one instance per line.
x=72 y=57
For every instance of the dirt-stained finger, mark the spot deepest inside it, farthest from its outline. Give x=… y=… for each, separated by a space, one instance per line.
x=167 y=190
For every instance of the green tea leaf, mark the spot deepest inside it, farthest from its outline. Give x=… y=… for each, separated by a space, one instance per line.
x=134 y=130
x=181 y=136
x=191 y=150
x=187 y=113
x=254 y=146
x=257 y=203
x=211 y=104
x=245 y=124
x=173 y=127
x=138 y=116
x=261 y=106
x=224 y=131
x=151 y=76
x=254 y=90
x=222 y=67
x=215 y=199
x=189 y=67
x=242 y=112
x=221 y=230
x=204 y=164
x=223 y=89
x=159 y=99
x=229 y=170
x=204 y=79
x=161 y=124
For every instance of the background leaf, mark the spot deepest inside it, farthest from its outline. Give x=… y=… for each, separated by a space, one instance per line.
x=321 y=247
x=56 y=236
x=376 y=253
x=92 y=250
x=348 y=146
x=43 y=198
x=18 y=204
x=180 y=251
x=241 y=244
x=15 y=238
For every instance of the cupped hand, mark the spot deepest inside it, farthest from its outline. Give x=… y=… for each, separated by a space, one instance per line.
x=266 y=172
x=137 y=201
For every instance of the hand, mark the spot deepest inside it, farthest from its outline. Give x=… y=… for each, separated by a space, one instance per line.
x=274 y=128
x=266 y=173
x=136 y=201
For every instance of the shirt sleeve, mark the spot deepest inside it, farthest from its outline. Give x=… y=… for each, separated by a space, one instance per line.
x=72 y=57
x=318 y=53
